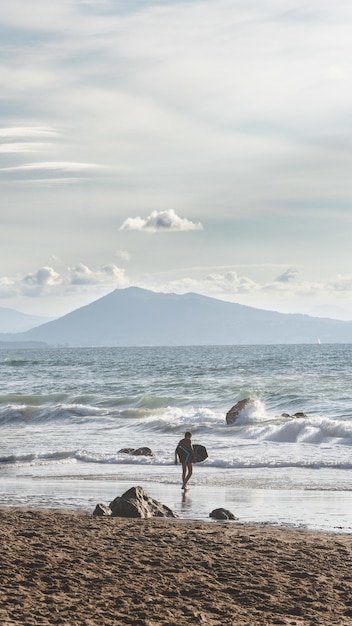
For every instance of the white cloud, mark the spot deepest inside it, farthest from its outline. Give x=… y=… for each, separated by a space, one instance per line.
x=28 y=132
x=79 y=285
x=7 y=288
x=41 y=281
x=107 y=275
x=285 y=296
x=47 y=282
x=52 y=166
x=287 y=276
x=17 y=147
x=159 y=221
x=124 y=255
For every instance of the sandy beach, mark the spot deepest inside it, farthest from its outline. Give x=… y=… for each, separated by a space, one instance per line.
x=60 y=567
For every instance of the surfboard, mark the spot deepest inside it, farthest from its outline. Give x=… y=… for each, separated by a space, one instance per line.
x=200 y=454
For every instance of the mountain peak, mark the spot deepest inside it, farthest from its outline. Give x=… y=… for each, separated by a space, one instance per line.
x=139 y=317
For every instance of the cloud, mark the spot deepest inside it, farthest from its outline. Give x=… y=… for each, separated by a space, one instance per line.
x=25 y=132
x=287 y=276
x=80 y=284
x=41 y=281
x=159 y=221
x=47 y=282
x=14 y=148
x=123 y=255
x=107 y=275
x=7 y=288
x=52 y=166
x=285 y=296
x=17 y=142
x=216 y=284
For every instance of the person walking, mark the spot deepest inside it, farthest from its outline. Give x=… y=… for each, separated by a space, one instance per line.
x=184 y=452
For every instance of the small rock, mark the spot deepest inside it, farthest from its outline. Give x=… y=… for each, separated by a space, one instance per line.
x=102 y=510
x=222 y=514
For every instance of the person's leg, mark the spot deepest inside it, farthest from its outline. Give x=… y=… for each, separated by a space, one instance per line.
x=189 y=467
x=184 y=469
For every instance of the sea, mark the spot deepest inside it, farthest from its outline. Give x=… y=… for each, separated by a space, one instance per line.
x=66 y=414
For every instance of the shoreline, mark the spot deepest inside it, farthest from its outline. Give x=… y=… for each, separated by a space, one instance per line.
x=64 y=567
x=316 y=510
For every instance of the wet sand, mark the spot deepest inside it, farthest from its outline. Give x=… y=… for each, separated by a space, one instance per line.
x=70 y=568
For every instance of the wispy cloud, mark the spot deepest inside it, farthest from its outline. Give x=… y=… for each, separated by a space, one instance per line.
x=37 y=171
x=51 y=166
x=27 y=132
x=160 y=221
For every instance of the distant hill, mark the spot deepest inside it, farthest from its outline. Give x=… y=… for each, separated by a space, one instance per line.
x=12 y=321
x=137 y=317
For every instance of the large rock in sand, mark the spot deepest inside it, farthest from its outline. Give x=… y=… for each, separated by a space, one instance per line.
x=136 y=503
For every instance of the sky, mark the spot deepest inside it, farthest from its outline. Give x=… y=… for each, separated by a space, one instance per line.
x=179 y=146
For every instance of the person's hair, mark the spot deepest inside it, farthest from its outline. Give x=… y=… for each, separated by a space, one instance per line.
x=188 y=434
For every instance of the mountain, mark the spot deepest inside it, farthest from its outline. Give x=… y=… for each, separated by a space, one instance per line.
x=12 y=321
x=137 y=317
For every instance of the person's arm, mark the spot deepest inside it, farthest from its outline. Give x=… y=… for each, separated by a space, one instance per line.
x=176 y=454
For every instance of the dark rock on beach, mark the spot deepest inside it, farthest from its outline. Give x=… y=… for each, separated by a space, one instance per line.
x=222 y=514
x=233 y=413
x=298 y=414
x=102 y=510
x=136 y=503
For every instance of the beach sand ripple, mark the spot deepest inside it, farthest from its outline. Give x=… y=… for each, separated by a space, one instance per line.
x=66 y=568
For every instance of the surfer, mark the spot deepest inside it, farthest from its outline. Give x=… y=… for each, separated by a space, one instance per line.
x=184 y=451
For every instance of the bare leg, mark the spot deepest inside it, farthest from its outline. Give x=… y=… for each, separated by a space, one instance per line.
x=184 y=470
x=187 y=471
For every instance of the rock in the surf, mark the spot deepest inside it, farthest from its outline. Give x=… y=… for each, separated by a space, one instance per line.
x=136 y=503
x=144 y=451
x=233 y=413
x=299 y=414
x=222 y=514
x=102 y=510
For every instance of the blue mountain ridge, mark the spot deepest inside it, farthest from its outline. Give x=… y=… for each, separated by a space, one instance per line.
x=139 y=317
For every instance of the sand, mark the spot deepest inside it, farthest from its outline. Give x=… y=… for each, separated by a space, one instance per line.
x=60 y=567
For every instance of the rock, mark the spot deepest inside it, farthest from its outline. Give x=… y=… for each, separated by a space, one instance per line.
x=136 y=503
x=222 y=514
x=143 y=452
x=299 y=414
x=137 y=452
x=102 y=510
x=233 y=413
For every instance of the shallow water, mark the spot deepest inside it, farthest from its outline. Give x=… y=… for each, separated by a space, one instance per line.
x=66 y=413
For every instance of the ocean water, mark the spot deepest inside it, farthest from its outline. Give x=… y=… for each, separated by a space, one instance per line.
x=66 y=413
